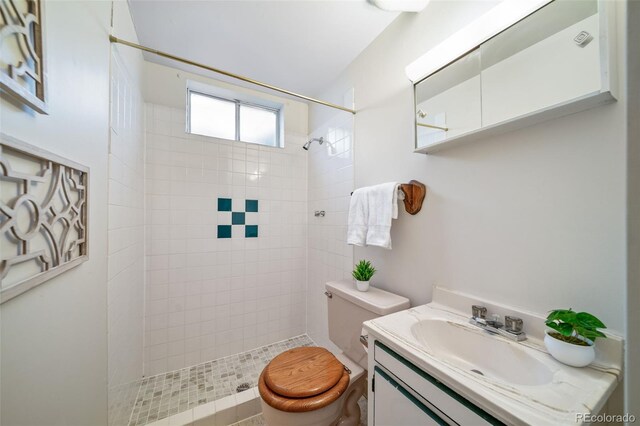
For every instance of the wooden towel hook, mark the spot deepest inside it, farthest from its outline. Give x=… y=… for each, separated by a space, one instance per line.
x=414 y=193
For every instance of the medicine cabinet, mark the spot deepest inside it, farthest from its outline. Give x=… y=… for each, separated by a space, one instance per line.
x=557 y=61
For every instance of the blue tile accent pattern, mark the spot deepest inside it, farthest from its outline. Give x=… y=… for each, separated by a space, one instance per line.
x=224 y=231
x=224 y=204
x=251 y=231
x=238 y=219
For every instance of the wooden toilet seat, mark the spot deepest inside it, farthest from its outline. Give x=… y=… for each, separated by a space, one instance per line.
x=303 y=379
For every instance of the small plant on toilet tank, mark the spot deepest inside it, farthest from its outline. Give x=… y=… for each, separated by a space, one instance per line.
x=571 y=340
x=362 y=273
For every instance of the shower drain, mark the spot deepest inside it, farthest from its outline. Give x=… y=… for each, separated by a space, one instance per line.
x=243 y=387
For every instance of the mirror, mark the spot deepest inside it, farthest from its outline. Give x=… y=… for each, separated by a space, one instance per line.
x=536 y=63
x=448 y=102
x=548 y=60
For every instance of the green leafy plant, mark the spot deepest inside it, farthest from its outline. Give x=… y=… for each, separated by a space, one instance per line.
x=570 y=325
x=363 y=271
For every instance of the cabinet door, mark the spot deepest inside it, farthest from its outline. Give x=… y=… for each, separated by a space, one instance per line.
x=550 y=57
x=395 y=406
x=441 y=400
x=448 y=102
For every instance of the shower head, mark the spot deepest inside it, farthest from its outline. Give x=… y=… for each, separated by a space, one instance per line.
x=306 y=145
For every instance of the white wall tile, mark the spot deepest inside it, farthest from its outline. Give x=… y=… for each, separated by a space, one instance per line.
x=198 y=285
x=330 y=182
x=126 y=195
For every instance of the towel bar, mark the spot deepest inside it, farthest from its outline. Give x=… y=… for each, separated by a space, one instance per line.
x=414 y=193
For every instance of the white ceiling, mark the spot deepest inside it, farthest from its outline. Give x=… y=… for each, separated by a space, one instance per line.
x=299 y=45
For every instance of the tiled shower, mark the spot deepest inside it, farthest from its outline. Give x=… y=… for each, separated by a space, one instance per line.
x=226 y=238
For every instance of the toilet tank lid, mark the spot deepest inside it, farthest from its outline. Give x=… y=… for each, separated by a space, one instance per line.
x=375 y=300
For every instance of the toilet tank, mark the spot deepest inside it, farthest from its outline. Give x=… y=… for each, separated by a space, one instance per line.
x=348 y=308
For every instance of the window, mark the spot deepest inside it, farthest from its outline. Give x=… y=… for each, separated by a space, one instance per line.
x=235 y=119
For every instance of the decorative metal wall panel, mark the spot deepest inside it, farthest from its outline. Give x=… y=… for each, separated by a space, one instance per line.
x=22 y=67
x=43 y=216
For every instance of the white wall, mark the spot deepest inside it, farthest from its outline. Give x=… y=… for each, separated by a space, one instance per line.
x=533 y=218
x=125 y=299
x=54 y=337
x=330 y=186
x=208 y=297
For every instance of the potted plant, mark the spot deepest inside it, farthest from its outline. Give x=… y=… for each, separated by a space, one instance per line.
x=362 y=273
x=571 y=340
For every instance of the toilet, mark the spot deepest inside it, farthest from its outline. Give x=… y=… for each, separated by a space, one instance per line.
x=310 y=386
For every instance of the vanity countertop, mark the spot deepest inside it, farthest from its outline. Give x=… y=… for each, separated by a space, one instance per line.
x=571 y=391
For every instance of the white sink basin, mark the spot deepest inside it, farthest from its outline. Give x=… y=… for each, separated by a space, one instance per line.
x=481 y=352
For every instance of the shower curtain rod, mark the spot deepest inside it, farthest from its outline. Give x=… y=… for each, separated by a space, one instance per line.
x=113 y=39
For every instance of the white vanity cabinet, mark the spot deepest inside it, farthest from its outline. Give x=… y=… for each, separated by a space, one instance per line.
x=401 y=394
x=400 y=408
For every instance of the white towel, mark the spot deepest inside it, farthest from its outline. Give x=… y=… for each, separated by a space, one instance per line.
x=358 y=218
x=370 y=213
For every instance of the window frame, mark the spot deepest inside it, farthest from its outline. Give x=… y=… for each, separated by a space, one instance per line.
x=238 y=103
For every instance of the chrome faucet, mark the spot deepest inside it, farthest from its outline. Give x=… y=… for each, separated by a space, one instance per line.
x=511 y=328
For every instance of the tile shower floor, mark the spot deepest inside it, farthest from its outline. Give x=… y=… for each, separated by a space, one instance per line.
x=170 y=393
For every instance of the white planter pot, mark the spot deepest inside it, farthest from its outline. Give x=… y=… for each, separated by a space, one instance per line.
x=362 y=285
x=567 y=353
